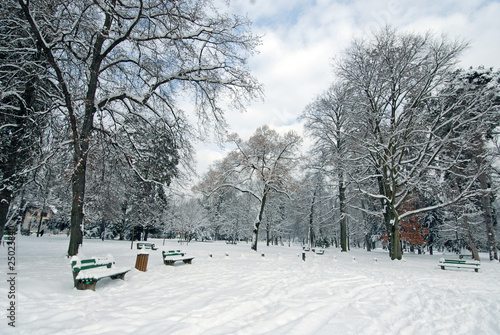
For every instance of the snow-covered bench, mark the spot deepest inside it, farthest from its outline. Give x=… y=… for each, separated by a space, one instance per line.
x=146 y=245
x=172 y=256
x=87 y=272
x=459 y=263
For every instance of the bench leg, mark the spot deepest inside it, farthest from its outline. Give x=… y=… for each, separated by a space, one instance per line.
x=169 y=263
x=82 y=285
x=119 y=276
x=442 y=267
x=476 y=269
x=188 y=261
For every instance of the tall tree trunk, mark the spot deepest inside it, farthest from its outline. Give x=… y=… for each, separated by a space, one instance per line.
x=488 y=217
x=392 y=225
x=103 y=229
x=12 y=181
x=259 y=220
x=368 y=242
x=472 y=245
x=368 y=235
x=255 y=234
x=78 y=189
x=6 y=194
x=397 y=252
x=5 y=199
x=268 y=232
x=343 y=214
x=311 y=218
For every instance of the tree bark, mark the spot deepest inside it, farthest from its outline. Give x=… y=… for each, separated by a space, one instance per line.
x=311 y=219
x=368 y=235
x=78 y=189
x=268 y=237
x=488 y=217
x=6 y=194
x=472 y=245
x=368 y=242
x=5 y=199
x=343 y=216
x=259 y=220
x=392 y=225
x=397 y=252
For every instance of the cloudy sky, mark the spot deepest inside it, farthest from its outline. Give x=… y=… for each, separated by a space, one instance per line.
x=300 y=38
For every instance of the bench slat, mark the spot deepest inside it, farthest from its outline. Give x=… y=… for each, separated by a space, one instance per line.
x=100 y=273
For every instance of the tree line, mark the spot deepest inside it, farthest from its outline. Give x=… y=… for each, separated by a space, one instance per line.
x=92 y=94
x=404 y=150
x=94 y=124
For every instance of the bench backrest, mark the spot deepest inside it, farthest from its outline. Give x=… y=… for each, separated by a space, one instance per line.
x=460 y=261
x=145 y=245
x=173 y=253
x=83 y=264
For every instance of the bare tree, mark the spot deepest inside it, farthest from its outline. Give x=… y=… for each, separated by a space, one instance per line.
x=327 y=121
x=395 y=79
x=113 y=59
x=259 y=167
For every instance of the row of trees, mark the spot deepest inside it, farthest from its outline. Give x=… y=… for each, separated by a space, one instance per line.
x=403 y=150
x=91 y=96
x=402 y=139
x=407 y=130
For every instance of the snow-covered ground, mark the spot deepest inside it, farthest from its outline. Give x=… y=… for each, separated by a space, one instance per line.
x=244 y=293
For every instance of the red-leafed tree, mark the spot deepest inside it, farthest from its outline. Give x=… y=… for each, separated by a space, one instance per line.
x=411 y=230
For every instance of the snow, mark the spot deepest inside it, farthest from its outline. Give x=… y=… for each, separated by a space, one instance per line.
x=238 y=291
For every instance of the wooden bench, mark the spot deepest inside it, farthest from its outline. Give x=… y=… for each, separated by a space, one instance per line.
x=172 y=256
x=146 y=245
x=87 y=272
x=459 y=263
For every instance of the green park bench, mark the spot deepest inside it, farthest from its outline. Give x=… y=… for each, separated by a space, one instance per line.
x=459 y=263
x=146 y=245
x=172 y=256
x=87 y=272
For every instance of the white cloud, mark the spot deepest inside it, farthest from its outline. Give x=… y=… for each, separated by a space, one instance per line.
x=300 y=39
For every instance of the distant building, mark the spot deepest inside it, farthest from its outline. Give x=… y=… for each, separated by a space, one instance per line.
x=32 y=218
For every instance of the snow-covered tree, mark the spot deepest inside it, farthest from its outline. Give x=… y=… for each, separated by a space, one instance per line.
x=25 y=100
x=328 y=122
x=113 y=59
x=259 y=167
x=395 y=79
x=474 y=94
